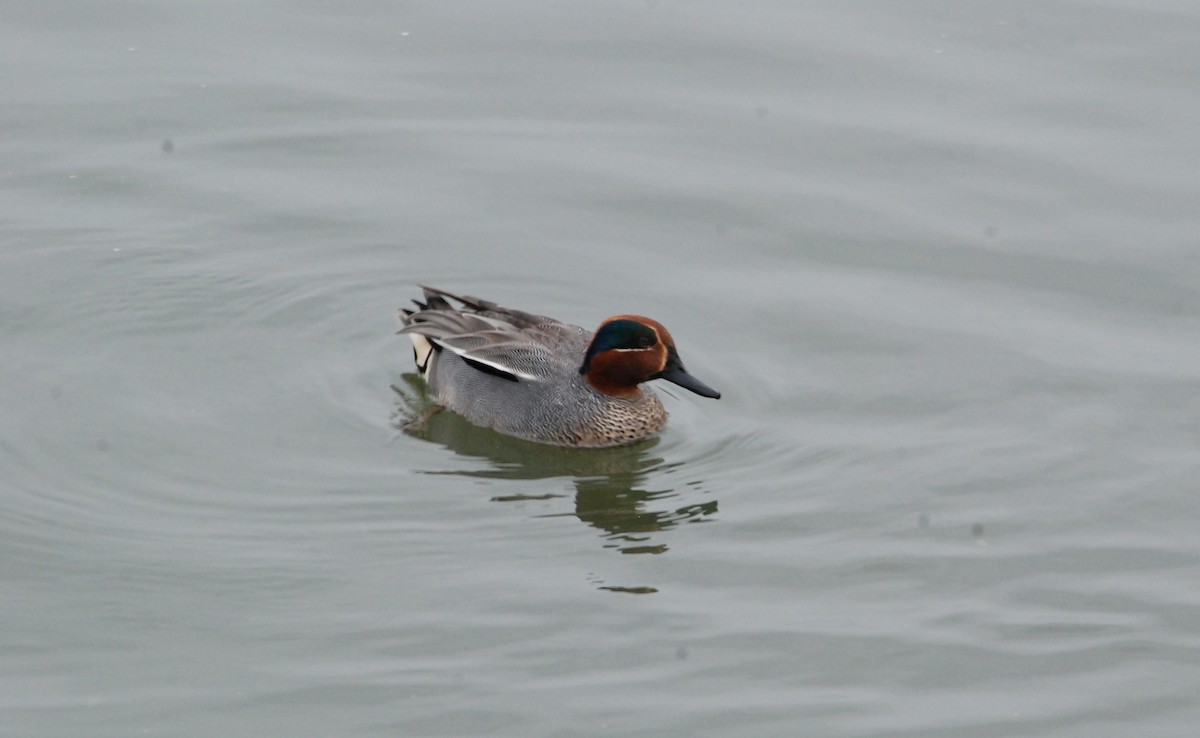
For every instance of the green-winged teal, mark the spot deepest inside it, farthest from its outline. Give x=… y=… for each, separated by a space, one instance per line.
x=542 y=380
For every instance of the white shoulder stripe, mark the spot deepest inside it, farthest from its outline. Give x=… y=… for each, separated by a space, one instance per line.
x=505 y=368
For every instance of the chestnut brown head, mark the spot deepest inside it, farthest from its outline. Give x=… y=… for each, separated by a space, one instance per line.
x=630 y=349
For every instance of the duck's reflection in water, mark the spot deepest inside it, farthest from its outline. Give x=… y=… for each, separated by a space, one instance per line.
x=611 y=491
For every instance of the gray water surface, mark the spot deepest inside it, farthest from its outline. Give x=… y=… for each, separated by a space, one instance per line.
x=941 y=260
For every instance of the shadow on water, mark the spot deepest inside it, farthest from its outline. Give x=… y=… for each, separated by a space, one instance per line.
x=612 y=486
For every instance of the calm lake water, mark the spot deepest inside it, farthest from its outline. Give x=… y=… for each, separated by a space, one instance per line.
x=941 y=259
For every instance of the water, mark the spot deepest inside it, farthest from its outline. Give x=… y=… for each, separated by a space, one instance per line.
x=940 y=259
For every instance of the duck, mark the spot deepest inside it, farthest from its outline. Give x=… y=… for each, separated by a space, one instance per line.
x=540 y=379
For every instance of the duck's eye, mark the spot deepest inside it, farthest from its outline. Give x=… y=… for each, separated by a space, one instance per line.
x=645 y=341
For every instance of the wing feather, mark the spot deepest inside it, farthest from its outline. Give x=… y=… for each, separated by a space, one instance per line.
x=489 y=340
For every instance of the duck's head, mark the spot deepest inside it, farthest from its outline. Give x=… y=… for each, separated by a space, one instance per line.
x=630 y=349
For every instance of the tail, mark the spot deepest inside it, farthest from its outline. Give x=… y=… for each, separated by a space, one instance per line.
x=424 y=350
x=423 y=353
